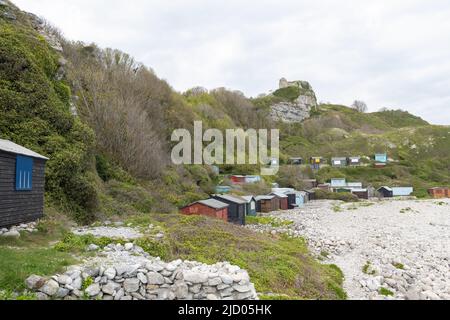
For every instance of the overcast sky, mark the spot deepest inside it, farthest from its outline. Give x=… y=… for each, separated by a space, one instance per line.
x=392 y=53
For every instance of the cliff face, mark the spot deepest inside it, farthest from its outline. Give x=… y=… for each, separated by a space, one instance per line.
x=299 y=99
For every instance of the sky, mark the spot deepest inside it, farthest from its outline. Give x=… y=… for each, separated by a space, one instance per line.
x=391 y=53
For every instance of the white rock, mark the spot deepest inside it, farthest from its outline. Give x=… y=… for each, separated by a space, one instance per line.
x=195 y=277
x=110 y=273
x=11 y=234
x=34 y=282
x=154 y=278
x=50 y=288
x=64 y=279
x=131 y=285
x=93 y=290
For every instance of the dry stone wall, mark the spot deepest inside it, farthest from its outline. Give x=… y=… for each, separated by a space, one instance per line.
x=145 y=278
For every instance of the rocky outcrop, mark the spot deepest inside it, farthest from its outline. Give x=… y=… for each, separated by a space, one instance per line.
x=297 y=110
x=126 y=272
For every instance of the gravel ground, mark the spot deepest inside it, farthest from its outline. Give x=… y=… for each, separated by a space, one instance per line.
x=399 y=245
x=110 y=232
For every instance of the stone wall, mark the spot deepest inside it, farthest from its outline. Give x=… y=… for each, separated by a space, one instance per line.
x=145 y=278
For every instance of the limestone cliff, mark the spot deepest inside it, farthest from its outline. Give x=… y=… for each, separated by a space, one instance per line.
x=298 y=100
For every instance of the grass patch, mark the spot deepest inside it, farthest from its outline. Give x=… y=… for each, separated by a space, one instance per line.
x=398 y=265
x=78 y=243
x=366 y=269
x=273 y=222
x=281 y=265
x=386 y=292
x=18 y=264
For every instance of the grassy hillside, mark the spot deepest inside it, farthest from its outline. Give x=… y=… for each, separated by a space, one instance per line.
x=420 y=151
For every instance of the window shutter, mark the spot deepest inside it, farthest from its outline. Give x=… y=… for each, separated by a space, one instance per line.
x=24 y=173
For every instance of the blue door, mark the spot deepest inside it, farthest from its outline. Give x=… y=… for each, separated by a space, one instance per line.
x=299 y=200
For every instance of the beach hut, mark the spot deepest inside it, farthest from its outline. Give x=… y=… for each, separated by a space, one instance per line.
x=381 y=157
x=296 y=161
x=338 y=182
x=283 y=200
x=354 y=161
x=311 y=194
x=339 y=162
x=402 y=191
x=223 y=189
x=439 y=192
x=355 y=185
x=309 y=183
x=292 y=195
x=210 y=208
x=361 y=193
x=324 y=186
x=266 y=203
x=236 y=209
x=237 y=179
x=316 y=162
x=252 y=179
x=22 y=184
x=251 y=205
x=386 y=192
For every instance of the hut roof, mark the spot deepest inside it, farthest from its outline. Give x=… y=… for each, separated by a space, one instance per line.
x=248 y=198
x=213 y=203
x=258 y=198
x=279 y=194
x=10 y=146
x=386 y=188
x=231 y=198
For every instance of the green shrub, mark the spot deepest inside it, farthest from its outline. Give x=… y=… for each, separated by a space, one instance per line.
x=288 y=93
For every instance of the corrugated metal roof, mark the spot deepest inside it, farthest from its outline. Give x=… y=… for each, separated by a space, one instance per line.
x=10 y=146
x=258 y=198
x=354 y=184
x=231 y=198
x=359 y=190
x=213 y=203
x=248 y=198
x=279 y=194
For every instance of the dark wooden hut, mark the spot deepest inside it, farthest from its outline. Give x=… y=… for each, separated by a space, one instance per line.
x=266 y=204
x=386 y=192
x=283 y=200
x=236 y=209
x=251 y=205
x=22 y=184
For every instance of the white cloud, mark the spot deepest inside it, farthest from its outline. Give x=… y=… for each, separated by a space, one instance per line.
x=388 y=53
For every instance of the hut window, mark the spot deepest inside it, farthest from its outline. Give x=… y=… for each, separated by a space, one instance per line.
x=24 y=173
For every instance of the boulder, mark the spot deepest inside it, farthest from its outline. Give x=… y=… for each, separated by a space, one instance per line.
x=93 y=290
x=131 y=285
x=64 y=279
x=34 y=282
x=195 y=277
x=110 y=273
x=155 y=278
x=50 y=288
x=11 y=234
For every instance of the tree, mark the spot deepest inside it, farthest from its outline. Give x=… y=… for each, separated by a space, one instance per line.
x=360 y=106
